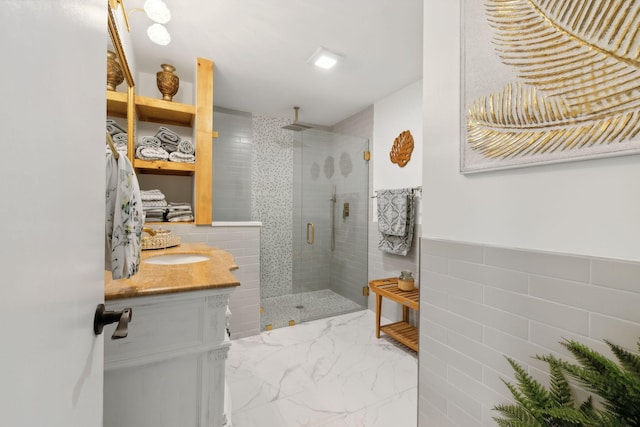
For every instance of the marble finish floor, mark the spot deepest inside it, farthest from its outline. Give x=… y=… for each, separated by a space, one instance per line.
x=331 y=372
x=302 y=307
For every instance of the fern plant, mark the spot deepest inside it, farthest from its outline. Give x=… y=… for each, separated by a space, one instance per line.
x=618 y=385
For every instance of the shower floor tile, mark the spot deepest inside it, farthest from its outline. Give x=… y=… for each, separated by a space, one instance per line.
x=297 y=308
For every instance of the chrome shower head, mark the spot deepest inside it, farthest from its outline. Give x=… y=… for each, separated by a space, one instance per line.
x=295 y=126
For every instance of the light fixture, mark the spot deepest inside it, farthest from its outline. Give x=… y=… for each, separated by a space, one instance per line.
x=159 y=34
x=324 y=58
x=157 y=11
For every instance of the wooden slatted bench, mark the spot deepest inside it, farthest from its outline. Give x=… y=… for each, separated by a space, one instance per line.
x=403 y=332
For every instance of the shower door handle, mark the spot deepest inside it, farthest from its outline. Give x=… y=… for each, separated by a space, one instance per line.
x=311 y=237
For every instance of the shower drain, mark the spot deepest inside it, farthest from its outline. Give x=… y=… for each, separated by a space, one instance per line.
x=299 y=307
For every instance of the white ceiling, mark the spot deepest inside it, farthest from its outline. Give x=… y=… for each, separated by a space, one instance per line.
x=260 y=50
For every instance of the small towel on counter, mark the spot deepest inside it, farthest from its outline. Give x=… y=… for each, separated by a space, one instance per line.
x=177 y=156
x=124 y=218
x=185 y=146
x=151 y=153
x=395 y=220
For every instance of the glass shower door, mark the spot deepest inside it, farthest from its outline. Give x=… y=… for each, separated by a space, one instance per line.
x=330 y=223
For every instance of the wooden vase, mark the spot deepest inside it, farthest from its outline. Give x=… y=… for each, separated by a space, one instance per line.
x=168 y=83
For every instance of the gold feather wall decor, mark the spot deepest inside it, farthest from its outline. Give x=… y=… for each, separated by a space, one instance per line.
x=575 y=90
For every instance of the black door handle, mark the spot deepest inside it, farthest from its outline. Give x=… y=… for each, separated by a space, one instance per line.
x=104 y=317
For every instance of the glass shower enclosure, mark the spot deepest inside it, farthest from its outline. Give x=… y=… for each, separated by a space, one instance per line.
x=327 y=268
x=330 y=223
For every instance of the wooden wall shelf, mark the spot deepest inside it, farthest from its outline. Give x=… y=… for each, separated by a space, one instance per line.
x=165 y=112
x=159 y=167
x=117 y=104
x=199 y=117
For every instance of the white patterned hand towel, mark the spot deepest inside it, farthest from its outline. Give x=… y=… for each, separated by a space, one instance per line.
x=392 y=211
x=124 y=218
x=395 y=220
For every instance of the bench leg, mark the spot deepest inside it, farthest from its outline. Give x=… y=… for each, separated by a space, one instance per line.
x=378 y=314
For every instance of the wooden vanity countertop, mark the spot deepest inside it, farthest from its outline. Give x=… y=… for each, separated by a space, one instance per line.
x=157 y=279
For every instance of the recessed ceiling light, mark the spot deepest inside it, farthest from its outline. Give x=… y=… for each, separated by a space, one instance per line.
x=324 y=58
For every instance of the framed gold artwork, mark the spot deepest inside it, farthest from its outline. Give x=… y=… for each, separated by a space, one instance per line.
x=546 y=81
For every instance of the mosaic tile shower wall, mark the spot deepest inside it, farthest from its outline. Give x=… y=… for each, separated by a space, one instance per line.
x=271 y=201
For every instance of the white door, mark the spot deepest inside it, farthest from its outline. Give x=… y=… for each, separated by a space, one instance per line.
x=52 y=118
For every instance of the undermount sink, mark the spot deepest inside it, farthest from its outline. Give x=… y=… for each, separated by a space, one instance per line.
x=172 y=259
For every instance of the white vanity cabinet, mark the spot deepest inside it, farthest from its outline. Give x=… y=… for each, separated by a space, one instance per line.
x=170 y=369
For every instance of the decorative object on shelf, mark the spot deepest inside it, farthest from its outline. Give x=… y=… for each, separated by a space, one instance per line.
x=160 y=239
x=402 y=148
x=556 y=86
x=115 y=76
x=168 y=83
x=406 y=281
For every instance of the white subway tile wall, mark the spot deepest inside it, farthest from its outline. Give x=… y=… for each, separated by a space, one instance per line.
x=232 y=166
x=480 y=303
x=243 y=242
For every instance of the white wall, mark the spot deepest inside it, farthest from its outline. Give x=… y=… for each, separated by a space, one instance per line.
x=587 y=207
x=392 y=115
x=576 y=224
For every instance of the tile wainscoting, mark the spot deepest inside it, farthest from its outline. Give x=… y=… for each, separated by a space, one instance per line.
x=480 y=303
x=242 y=240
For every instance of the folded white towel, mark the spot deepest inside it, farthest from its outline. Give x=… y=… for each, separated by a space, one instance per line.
x=149 y=195
x=151 y=153
x=120 y=138
x=177 y=156
x=183 y=218
x=185 y=146
x=154 y=203
x=148 y=141
x=166 y=134
x=114 y=128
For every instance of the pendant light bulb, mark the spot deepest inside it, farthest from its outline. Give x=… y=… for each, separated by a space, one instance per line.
x=157 y=11
x=159 y=34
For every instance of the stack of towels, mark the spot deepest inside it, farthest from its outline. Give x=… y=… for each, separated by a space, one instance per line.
x=119 y=136
x=154 y=205
x=165 y=145
x=179 y=212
